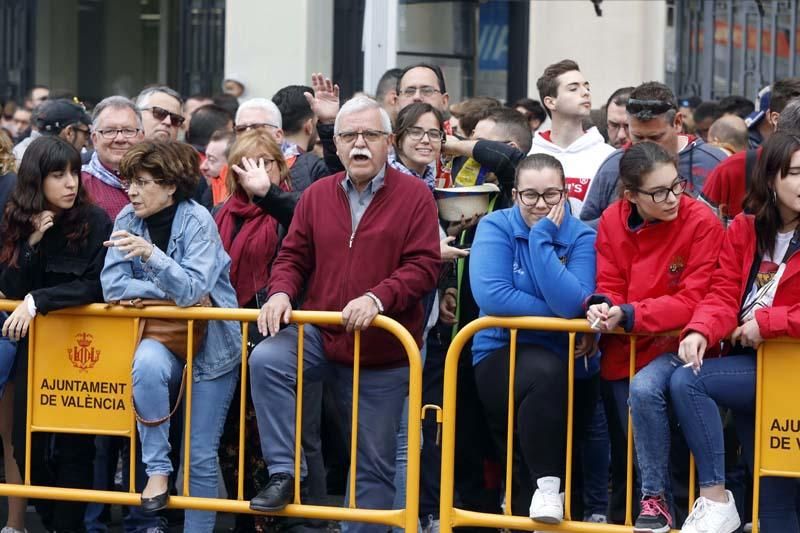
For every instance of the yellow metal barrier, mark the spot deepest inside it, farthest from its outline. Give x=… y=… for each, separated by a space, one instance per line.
x=450 y=516
x=90 y=350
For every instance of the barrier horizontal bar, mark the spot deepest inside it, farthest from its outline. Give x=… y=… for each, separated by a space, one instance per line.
x=80 y=431
x=373 y=516
x=462 y=518
x=779 y=473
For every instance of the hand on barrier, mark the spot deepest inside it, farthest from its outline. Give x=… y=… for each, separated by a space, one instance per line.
x=748 y=334
x=691 y=350
x=16 y=325
x=454 y=228
x=602 y=317
x=449 y=253
x=447 y=307
x=277 y=309
x=358 y=314
x=41 y=223
x=131 y=243
x=325 y=100
x=253 y=177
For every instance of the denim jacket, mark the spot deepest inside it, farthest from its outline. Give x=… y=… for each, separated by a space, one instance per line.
x=194 y=265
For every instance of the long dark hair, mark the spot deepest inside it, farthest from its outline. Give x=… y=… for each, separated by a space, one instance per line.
x=44 y=155
x=638 y=161
x=775 y=159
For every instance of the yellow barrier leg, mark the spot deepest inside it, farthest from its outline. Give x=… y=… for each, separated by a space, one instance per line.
x=298 y=419
x=629 y=469
x=758 y=436
x=132 y=437
x=570 y=413
x=242 y=413
x=28 y=421
x=512 y=371
x=187 y=435
x=354 y=421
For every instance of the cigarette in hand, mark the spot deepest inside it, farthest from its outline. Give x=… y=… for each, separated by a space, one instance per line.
x=688 y=365
x=595 y=323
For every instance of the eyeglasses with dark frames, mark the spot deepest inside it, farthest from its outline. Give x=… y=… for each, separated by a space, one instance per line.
x=159 y=113
x=530 y=197
x=660 y=195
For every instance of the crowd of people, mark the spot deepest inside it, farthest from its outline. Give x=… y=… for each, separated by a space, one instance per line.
x=652 y=214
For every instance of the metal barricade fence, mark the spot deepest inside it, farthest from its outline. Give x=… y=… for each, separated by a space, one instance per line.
x=76 y=386
x=451 y=516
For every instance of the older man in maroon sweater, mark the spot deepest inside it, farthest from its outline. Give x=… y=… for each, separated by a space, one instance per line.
x=365 y=242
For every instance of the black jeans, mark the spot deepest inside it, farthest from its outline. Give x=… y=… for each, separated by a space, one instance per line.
x=540 y=398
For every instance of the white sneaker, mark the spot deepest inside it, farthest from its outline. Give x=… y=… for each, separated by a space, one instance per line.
x=596 y=518
x=547 y=505
x=9 y=529
x=712 y=517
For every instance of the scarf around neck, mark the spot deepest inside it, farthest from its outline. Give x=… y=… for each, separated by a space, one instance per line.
x=96 y=169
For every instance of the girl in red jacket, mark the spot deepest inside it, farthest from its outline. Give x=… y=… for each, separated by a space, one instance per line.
x=656 y=249
x=753 y=296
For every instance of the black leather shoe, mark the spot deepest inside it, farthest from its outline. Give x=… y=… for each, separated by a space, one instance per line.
x=276 y=495
x=156 y=503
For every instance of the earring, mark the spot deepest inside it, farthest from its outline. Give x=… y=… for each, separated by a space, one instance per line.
x=774 y=197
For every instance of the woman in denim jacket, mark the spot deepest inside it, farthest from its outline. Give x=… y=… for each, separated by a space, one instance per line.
x=166 y=246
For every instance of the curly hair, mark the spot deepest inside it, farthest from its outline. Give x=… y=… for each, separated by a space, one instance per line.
x=169 y=162
x=7 y=161
x=45 y=155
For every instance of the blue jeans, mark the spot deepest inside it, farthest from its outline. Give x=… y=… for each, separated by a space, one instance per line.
x=156 y=379
x=649 y=393
x=273 y=367
x=729 y=382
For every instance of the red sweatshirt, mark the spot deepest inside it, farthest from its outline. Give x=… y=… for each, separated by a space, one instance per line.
x=661 y=270
x=394 y=253
x=726 y=186
x=718 y=314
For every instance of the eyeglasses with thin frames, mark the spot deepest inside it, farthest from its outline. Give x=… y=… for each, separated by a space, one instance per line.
x=111 y=134
x=425 y=90
x=241 y=128
x=415 y=133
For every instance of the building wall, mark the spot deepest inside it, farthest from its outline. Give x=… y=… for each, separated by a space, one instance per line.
x=623 y=47
x=273 y=43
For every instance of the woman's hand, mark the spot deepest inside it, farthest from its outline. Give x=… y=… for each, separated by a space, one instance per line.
x=691 y=350
x=41 y=223
x=449 y=253
x=254 y=178
x=556 y=214
x=448 y=306
x=748 y=334
x=454 y=228
x=134 y=245
x=586 y=345
x=16 y=326
x=604 y=318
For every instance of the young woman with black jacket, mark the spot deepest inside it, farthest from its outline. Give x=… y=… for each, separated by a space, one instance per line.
x=52 y=254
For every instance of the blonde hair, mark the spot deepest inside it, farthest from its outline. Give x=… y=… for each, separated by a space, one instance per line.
x=7 y=161
x=254 y=144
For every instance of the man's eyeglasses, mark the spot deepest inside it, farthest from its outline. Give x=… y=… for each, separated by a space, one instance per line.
x=530 y=197
x=425 y=90
x=111 y=134
x=646 y=109
x=159 y=113
x=370 y=136
x=661 y=195
x=241 y=128
x=416 y=133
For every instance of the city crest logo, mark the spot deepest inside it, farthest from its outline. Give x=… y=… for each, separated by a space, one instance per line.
x=83 y=356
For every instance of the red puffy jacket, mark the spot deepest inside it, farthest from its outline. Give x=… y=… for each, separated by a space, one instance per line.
x=661 y=270
x=718 y=314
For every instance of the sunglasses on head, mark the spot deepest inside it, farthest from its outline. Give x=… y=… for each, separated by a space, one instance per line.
x=640 y=108
x=159 y=113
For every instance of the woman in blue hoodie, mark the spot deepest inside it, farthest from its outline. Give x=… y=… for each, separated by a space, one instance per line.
x=535 y=259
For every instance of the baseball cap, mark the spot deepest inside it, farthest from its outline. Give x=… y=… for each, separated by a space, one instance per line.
x=55 y=115
x=762 y=105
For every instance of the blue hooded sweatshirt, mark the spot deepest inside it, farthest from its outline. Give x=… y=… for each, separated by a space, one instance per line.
x=545 y=270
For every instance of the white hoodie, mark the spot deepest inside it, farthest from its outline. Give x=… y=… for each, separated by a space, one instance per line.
x=580 y=160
